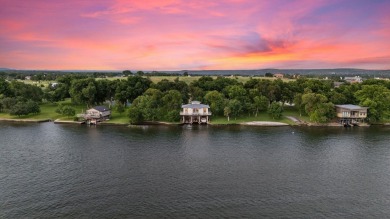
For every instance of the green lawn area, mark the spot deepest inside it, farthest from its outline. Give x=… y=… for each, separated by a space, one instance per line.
x=47 y=112
x=291 y=111
x=37 y=83
x=260 y=117
x=117 y=118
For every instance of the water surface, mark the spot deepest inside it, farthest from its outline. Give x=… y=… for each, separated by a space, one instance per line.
x=49 y=170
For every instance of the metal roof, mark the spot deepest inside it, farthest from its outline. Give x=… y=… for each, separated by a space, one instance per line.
x=101 y=108
x=351 y=107
x=195 y=105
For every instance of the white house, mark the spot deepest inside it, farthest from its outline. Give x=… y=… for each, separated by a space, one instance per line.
x=195 y=112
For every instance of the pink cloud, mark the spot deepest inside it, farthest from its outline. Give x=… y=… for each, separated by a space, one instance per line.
x=178 y=34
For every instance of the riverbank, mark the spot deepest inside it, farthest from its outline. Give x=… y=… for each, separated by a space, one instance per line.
x=25 y=120
x=293 y=122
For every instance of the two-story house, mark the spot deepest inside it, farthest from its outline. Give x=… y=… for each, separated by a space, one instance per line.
x=96 y=114
x=195 y=112
x=351 y=114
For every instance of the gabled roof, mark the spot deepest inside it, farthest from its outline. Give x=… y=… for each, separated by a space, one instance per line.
x=195 y=105
x=101 y=108
x=351 y=107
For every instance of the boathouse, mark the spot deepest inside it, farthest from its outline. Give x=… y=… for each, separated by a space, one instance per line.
x=351 y=114
x=96 y=114
x=195 y=112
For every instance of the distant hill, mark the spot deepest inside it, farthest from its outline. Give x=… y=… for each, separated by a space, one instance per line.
x=337 y=71
x=258 y=72
x=5 y=69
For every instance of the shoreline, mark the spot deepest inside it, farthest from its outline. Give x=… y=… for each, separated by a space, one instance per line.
x=25 y=120
x=162 y=123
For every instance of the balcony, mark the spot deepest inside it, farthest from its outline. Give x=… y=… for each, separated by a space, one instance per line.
x=195 y=114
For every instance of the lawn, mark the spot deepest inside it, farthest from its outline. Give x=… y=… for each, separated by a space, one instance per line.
x=37 y=83
x=47 y=112
x=291 y=111
x=261 y=117
x=117 y=118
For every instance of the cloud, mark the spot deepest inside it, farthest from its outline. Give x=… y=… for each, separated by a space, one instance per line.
x=178 y=34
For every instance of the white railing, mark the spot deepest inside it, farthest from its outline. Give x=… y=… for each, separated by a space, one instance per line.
x=195 y=114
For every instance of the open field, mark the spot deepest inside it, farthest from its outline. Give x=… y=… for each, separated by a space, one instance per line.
x=261 y=117
x=42 y=84
x=47 y=112
x=189 y=79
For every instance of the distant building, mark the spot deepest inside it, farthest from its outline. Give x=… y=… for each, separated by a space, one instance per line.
x=356 y=79
x=195 y=112
x=27 y=78
x=351 y=114
x=337 y=84
x=278 y=75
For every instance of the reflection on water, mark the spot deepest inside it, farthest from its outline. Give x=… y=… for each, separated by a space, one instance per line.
x=49 y=170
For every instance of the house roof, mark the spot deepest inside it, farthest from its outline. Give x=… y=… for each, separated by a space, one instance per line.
x=195 y=105
x=351 y=107
x=101 y=108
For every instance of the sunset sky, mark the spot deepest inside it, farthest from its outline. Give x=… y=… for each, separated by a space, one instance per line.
x=194 y=34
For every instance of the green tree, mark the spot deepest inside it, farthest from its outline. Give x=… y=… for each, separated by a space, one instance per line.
x=235 y=107
x=275 y=110
x=127 y=72
x=83 y=91
x=216 y=100
x=226 y=112
x=135 y=115
x=25 y=108
x=196 y=93
x=89 y=94
x=171 y=105
x=19 y=109
x=33 y=107
x=8 y=102
x=145 y=105
x=235 y=92
x=4 y=87
x=136 y=86
x=260 y=103
x=298 y=103
x=120 y=108
x=317 y=107
x=68 y=111
x=377 y=98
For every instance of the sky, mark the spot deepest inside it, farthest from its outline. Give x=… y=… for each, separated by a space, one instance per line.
x=194 y=34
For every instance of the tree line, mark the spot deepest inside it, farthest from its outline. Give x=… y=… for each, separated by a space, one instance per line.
x=144 y=100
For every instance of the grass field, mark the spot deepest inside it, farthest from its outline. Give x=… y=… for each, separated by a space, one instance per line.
x=241 y=119
x=37 y=83
x=117 y=118
x=189 y=79
x=47 y=112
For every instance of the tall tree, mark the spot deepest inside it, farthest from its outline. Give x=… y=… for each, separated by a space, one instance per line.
x=377 y=98
x=260 y=103
x=275 y=110
x=317 y=107
x=216 y=100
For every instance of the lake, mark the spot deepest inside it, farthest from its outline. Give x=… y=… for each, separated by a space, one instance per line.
x=71 y=171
